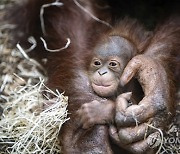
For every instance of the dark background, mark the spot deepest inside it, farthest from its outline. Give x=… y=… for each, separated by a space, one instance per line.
x=150 y=12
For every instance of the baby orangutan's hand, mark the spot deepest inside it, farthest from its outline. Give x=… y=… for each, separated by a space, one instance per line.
x=96 y=112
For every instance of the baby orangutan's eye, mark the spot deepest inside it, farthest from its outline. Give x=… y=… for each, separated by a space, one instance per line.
x=97 y=63
x=114 y=64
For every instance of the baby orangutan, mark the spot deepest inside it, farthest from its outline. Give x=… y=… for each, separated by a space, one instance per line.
x=106 y=68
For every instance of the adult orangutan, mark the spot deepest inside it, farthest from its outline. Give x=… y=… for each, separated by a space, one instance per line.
x=67 y=69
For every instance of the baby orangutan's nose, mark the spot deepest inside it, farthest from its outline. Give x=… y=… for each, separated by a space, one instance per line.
x=102 y=73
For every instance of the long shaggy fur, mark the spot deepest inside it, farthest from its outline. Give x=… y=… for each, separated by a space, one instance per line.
x=66 y=69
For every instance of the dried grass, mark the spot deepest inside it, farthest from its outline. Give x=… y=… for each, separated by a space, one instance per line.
x=24 y=126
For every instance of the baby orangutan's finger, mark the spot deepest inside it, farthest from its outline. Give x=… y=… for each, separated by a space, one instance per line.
x=89 y=123
x=122 y=101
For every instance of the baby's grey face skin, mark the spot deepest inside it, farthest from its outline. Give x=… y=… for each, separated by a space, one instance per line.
x=116 y=46
x=108 y=64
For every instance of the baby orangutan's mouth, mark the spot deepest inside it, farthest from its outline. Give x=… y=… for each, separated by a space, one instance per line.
x=103 y=90
x=101 y=85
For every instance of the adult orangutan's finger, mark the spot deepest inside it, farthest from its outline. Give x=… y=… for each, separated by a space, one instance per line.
x=136 y=114
x=133 y=134
x=114 y=134
x=147 y=145
x=130 y=71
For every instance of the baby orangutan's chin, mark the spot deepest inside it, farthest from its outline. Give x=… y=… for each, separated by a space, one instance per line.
x=104 y=90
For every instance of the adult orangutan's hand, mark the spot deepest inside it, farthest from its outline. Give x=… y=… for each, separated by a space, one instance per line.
x=136 y=122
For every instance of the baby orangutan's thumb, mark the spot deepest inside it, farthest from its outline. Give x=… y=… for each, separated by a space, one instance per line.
x=122 y=101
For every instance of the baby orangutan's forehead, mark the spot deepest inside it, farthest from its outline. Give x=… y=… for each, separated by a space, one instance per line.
x=115 y=46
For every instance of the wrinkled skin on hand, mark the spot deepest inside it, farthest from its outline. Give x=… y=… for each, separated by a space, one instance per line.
x=153 y=79
x=153 y=109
